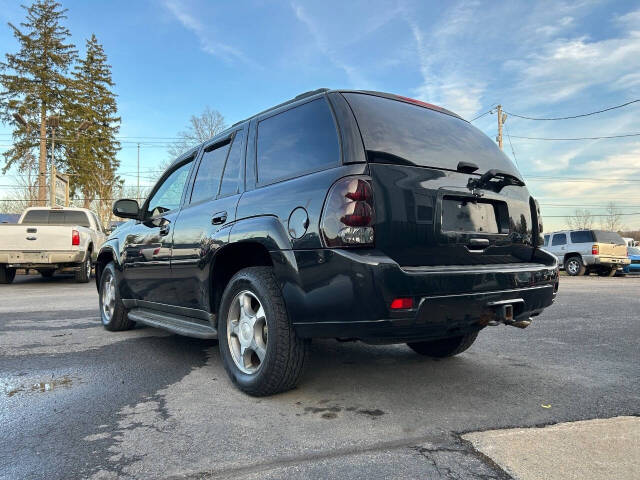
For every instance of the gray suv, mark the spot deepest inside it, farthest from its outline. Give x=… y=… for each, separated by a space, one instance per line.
x=584 y=251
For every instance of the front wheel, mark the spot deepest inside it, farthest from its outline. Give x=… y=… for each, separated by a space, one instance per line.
x=7 y=274
x=446 y=347
x=112 y=311
x=260 y=350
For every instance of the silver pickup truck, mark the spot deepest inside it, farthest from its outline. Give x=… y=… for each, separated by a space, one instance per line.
x=50 y=240
x=582 y=252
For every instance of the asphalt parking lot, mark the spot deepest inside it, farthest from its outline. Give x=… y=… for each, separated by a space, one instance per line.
x=77 y=401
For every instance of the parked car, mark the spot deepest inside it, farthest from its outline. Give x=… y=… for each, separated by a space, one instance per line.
x=339 y=214
x=585 y=251
x=50 y=240
x=634 y=257
x=630 y=242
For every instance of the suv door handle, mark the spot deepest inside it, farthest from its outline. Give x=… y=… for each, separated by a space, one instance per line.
x=164 y=229
x=219 y=218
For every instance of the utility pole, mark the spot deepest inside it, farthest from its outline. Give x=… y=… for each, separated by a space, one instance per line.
x=138 y=196
x=502 y=117
x=53 y=121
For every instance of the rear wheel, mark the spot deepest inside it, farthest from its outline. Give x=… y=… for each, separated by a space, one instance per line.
x=83 y=273
x=7 y=274
x=607 y=272
x=112 y=311
x=446 y=347
x=574 y=266
x=260 y=350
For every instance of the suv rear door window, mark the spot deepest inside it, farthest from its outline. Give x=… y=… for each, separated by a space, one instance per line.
x=584 y=236
x=209 y=173
x=232 y=176
x=559 y=239
x=299 y=140
x=406 y=134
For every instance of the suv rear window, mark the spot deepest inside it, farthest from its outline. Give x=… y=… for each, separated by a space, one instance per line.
x=406 y=134
x=56 y=217
x=584 y=236
x=299 y=140
x=608 y=237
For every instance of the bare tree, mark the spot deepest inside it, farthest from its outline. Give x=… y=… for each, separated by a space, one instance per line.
x=25 y=192
x=612 y=220
x=202 y=127
x=582 y=219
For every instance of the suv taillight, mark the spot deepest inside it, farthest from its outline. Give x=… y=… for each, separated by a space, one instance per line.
x=348 y=215
x=75 y=237
x=595 y=250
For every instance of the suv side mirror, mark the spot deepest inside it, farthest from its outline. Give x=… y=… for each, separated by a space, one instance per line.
x=126 y=208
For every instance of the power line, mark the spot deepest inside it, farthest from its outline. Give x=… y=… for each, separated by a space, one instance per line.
x=511 y=145
x=573 y=116
x=579 y=138
x=596 y=215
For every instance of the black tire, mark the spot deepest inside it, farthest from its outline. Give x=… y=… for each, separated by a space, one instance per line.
x=47 y=273
x=446 y=347
x=118 y=319
x=83 y=272
x=607 y=272
x=574 y=266
x=7 y=274
x=285 y=352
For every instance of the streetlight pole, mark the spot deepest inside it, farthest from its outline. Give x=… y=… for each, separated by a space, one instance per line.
x=53 y=121
x=138 y=196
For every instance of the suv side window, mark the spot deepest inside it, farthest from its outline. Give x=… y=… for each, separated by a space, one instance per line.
x=546 y=240
x=232 y=177
x=584 y=236
x=209 y=172
x=299 y=140
x=559 y=239
x=169 y=193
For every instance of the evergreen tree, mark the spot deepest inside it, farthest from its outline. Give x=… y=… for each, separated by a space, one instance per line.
x=34 y=83
x=91 y=156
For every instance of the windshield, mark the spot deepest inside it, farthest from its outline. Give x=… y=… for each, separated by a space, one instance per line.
x=608 y=237
x=406 y=134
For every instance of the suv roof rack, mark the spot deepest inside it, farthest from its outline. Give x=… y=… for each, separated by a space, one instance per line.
x=310 y=93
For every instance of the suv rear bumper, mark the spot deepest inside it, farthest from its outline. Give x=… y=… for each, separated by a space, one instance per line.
x=348 y=293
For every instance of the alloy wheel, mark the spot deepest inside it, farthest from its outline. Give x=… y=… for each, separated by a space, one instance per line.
x=108 y=298
x=247 y=332
x=573 y=267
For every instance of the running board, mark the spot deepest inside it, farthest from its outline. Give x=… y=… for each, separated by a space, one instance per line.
x=174 y=323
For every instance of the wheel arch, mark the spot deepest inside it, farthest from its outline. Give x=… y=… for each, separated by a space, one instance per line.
x=105 y=255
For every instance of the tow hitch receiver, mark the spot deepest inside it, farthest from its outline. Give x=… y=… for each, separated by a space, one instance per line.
x=506 y=311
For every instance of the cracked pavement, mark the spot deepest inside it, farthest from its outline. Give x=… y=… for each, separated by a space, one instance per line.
x=77 y=401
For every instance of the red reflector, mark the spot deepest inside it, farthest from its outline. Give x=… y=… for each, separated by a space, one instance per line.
x=595 y=250
x=402 y=303
x=75 y=237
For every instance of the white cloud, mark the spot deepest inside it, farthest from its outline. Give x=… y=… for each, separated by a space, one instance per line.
x=208 y=44
x=353 y=73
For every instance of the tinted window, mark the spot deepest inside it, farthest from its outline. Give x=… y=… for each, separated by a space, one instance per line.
x=406 y=134
x=298 y=140
x=169 y=194
x=34 y=217
x=209 y=173
x=559 y=239
x=584 y=236
x=608 y=237
x=232 y=176
x=56 y=217
x=546 y=240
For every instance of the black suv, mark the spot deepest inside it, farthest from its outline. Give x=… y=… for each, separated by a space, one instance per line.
x=342 y=214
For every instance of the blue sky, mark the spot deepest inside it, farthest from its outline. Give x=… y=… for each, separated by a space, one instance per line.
x=171 y=58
